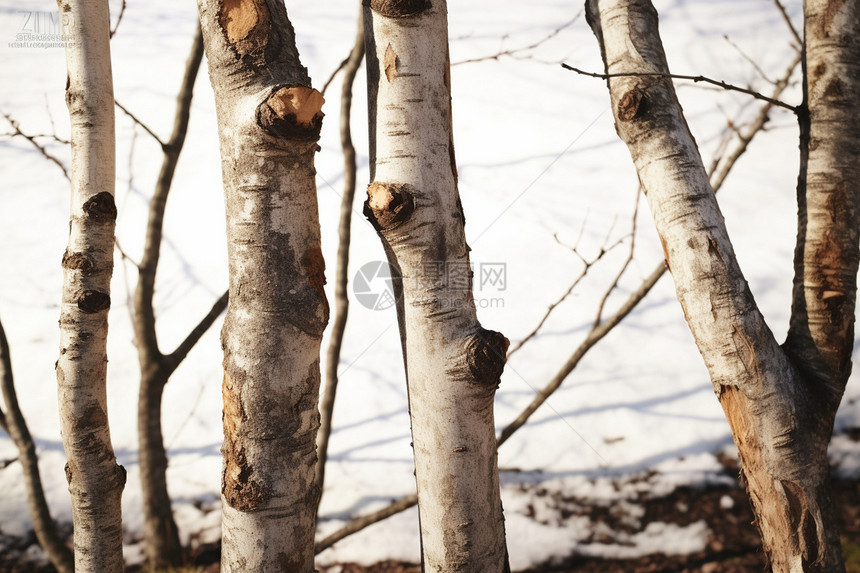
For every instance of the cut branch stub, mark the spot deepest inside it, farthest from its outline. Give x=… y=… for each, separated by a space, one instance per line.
x=398 y=8
x=292 y=112
x=485 y=353
x=388 y=204
x=77 y=262
x=246 y=25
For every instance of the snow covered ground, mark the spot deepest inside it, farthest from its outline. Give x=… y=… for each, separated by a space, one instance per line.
x=541 y=170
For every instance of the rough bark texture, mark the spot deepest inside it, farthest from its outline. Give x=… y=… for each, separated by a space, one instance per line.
x=453 y=365
x=821 y=335
x=341 y=296
x=161 y=536
x=269 y=120
x=95 y=479
x=780 y=418
x=12 y=421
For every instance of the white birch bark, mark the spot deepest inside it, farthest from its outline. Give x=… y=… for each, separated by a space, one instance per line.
x=453 y=365
x=268 y=121
x=95 y=479
x=778 y=418
x=822 y=326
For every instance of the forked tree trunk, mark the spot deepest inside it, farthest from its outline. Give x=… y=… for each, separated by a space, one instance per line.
x=453 y=365
x=160 y=534
x=95 y=479
x=268 y=121
x=779 y=403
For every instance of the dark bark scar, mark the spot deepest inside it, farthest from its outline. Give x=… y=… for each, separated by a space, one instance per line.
x=100 y=208
x=398 y=8
x=631 y=105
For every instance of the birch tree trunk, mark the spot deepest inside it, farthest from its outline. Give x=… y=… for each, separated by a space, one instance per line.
x=453 y=365
x=779 y=402
x=268 y=121
x=95 y=480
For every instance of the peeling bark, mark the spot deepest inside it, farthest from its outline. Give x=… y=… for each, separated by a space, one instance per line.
x=453 y=365
x=269 y=119
x=780 y=418
x=95 y=480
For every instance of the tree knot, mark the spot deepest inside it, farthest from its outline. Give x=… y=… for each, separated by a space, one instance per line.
x=388 y=204
x=632 y=104
x=292 y=112
x=486 y=354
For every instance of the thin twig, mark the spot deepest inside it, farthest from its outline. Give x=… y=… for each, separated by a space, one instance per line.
x=334 y=74
x=696 y=79
x=118 y=19
x=587 y=266
x=36 y=144
x=123 y=254
x=750 y=60
x=626 y=264
x=142 y=125
x=514 y=51
x=788 y=22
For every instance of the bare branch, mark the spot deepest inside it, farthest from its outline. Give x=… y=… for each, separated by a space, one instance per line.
x=141 y=124
x=722 y=84
x=118 y=19
x=357 y=525
x=788 y=22
x=175 y=358
x=757 y=126
x=163 y=545
x=334 y=74
x=587 y=266
x=144 y=323
x=36 y=144
x=750 y=60
x=512 y=52
x=341 y=309
x=626 y=264
x=125 y=255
